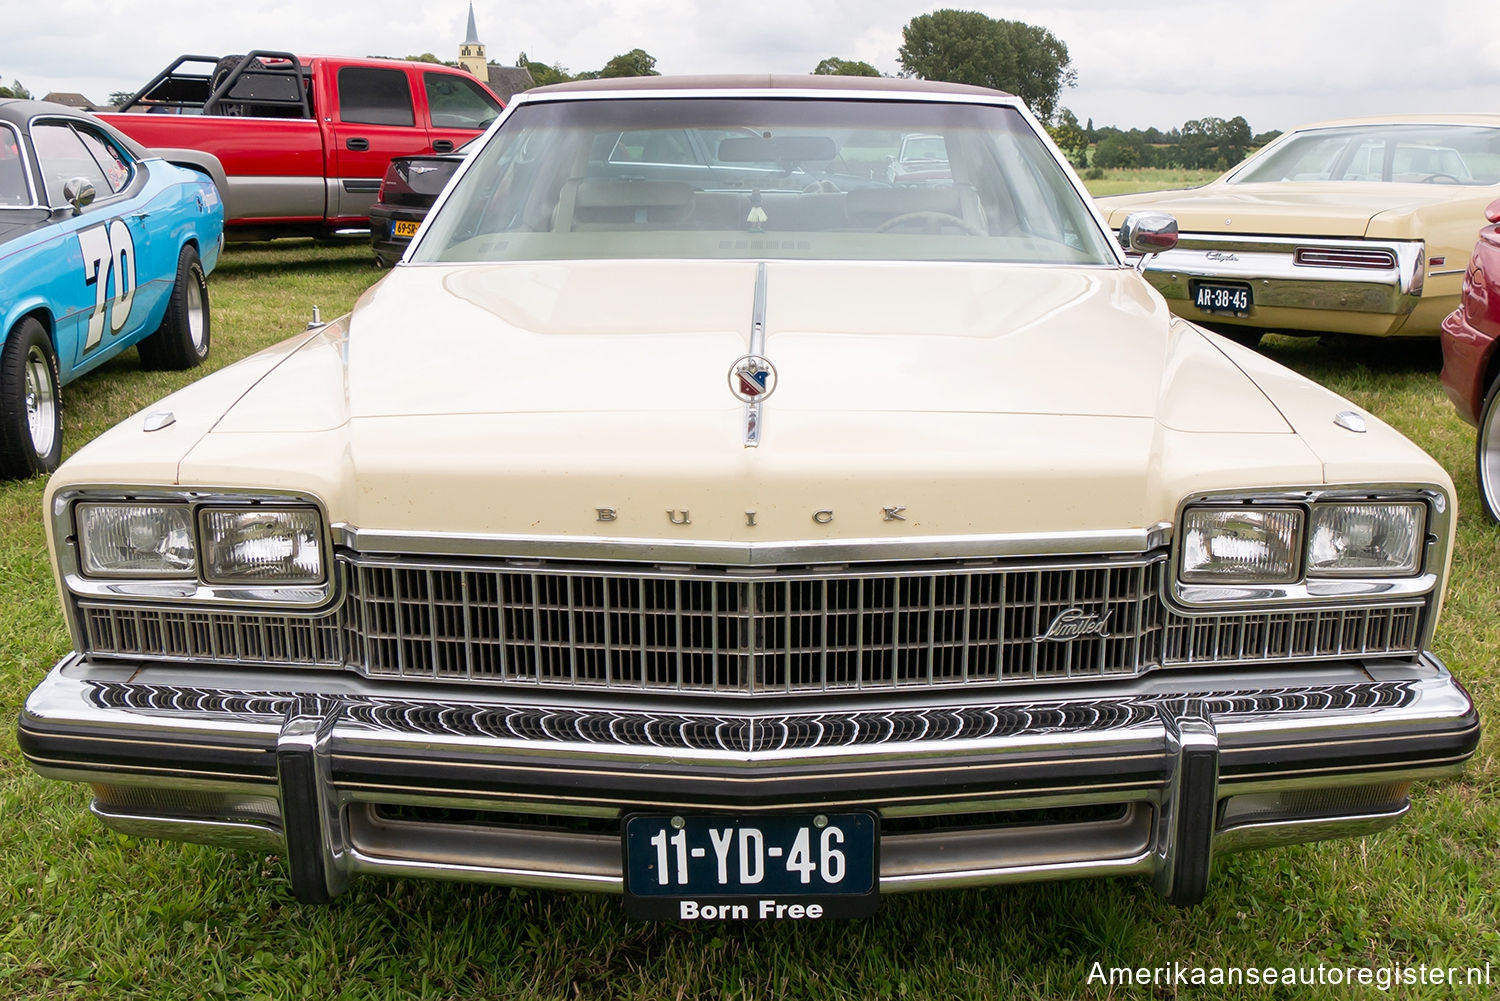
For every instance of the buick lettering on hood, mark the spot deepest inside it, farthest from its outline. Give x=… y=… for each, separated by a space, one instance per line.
x=701 y=515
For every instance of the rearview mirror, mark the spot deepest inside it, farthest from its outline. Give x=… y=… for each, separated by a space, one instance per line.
x=79 y=193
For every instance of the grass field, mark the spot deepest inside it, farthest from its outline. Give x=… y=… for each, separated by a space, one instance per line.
x=85 y=913
x=1125 y=182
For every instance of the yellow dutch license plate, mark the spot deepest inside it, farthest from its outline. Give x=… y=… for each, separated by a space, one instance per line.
x=404 y=227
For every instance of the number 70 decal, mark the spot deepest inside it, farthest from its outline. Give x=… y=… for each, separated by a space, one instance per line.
x=108 y=250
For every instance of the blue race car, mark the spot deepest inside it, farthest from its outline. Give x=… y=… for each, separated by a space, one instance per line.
x=103 y=247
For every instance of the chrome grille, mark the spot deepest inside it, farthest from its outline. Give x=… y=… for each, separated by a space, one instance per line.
x=790 y=630
x=225 y=637
x=722 y=633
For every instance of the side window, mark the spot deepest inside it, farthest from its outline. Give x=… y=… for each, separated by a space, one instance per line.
x=62 y=157
x=13 y=187
x=371 y=96
x=456 y=102
x=114 y=163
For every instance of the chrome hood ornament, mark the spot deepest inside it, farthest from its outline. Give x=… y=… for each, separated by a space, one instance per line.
x=752 y=377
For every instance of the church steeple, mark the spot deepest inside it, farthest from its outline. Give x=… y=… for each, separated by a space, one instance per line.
x=471 y=52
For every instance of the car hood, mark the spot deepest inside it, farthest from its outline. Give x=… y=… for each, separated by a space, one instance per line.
x=636 y=338
x=592 y=400
x=1301 y=208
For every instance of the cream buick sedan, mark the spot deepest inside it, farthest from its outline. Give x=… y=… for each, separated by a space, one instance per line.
x=697 y=516
x=1361 y=226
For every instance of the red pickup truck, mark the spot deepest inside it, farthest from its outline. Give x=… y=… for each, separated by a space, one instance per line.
x=303 y=142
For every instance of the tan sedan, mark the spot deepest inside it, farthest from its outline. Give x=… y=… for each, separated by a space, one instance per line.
x=1362 y=226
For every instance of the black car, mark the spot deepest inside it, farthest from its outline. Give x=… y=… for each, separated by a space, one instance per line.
x=410 y=186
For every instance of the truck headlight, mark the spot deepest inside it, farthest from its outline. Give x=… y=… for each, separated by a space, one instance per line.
x=261 y=545
x=136 y=540
x=1241 y=544
x=1369 y=539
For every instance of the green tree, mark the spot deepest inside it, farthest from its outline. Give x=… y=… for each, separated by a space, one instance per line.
x=119 y=97
x=636 y=62
x=1119 y=150
x=543 y=74
x=834 y=66
x=1071 y=137
x=15 y=90
x=963 y=46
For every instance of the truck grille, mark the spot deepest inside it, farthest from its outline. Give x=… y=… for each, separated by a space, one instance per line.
x=791 y=630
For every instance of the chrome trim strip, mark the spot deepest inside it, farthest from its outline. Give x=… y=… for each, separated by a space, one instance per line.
x=795 y=552
x=754 y=412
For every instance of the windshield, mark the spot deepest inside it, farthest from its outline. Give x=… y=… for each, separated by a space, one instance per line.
x=755 y=178
x=1430 y=154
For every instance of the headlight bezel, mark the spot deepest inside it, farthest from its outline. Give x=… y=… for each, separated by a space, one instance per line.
x=195 y=588
x=1319 y=588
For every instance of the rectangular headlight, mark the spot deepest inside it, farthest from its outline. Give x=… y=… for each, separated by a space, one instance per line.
x=136 y=540
x=262 y=545
x=1366 y=539
x=1241 y=544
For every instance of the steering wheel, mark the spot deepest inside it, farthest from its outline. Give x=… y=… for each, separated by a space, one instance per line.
x=1444 y=178
x=932 y=221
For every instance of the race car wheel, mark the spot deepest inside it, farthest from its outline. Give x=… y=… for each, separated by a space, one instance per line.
x=1487 y=452
x=182 y=340
x=30 y=403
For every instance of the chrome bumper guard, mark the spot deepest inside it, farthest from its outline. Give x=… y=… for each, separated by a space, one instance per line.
x=314 y=765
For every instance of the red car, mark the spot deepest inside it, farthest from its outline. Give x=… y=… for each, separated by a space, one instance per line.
x=1471 y=364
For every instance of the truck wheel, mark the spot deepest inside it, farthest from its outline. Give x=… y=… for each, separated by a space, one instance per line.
x=30 y=403
x=182 y=340
x=1487 y=452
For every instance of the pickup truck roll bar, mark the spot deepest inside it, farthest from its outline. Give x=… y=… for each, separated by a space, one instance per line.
x=262 y=83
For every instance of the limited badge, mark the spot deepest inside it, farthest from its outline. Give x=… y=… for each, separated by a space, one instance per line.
x=752 y=378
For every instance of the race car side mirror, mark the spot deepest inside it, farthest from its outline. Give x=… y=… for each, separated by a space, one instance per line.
x=80 y=193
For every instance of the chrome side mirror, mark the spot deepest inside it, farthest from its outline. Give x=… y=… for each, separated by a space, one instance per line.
x=1148 y=233
x=80 y=193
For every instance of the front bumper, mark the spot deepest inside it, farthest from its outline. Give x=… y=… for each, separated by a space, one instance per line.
x=347 y=777
x=1290 y=296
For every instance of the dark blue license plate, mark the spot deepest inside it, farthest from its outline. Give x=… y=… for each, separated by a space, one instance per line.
x=1223 y=298
x=695 y=867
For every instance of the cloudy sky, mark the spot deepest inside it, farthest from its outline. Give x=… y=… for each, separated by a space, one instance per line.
x=1139 y=62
